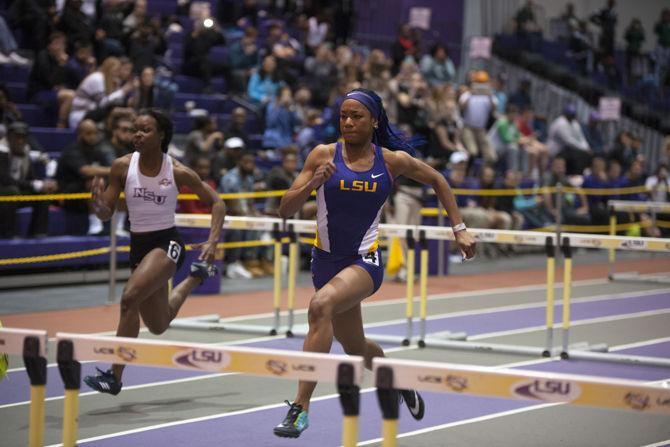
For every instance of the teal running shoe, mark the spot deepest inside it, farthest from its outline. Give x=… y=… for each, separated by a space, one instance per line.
x=104 y=382
x=295 y=422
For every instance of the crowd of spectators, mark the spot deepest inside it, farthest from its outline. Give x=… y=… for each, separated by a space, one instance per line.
x=99 y=66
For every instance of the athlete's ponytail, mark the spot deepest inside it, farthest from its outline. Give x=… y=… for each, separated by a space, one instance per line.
x=384 y=135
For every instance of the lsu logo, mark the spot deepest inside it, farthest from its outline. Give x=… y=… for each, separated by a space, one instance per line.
x=359 y=185
x=547 y=390
x=202 y=359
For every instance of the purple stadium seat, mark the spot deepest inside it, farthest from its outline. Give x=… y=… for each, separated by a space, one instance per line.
x=212 y=103
x=161 y=7
x=13 y=73
x=35 y=115
x=189 y=84
x=17 y=91
x=218 y=54
x=52 y=139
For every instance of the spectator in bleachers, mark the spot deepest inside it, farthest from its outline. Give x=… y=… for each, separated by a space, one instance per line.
x=377 y=74
x=321 y=75
x=146 y=46
x=99 y=90
x=658 y=184
x=498 y=87
x=203 y=167
x=593 y=135
x=243 y=57
x=18 y=178
x=446 y=125
x=317 y=31
x=82 y=62
x=506 y=203
x=525 y=21
x=36 y=19
x=135 y=18
x=598 y=179
x=606 y=19
x=574 y=206
x=662 y=50
x=521 y=97
x=581 y=47
x=501 y=220
x=308 y=135
x=634 y=177
x=52 y=79
x=237 y=125
x=8 y=47
x=473 y=215
x=344 y=13
x=538 y=152
x=204 y=140
x=504 y=136
x=302 y=103
x=120 y=142
x=477 y=106
x=664 y=157
x=281 y=178
x=9 y=113
x=196 y=52
x=233 y=148
x=411 y=96
x=529 y=206
x=264 y=84
x=627 y=148
x=79 y=163
x=110 y=26
x=406 y=46
x=634 y=37
x=243 y=178
x=280 y=121
x=153 y=91
x=567 y=140
x=288 y=53
x=75 y=24
x=349 y=64
x=437 y=68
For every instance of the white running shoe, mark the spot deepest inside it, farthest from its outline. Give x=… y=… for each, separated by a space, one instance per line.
x=4 y=60
x=237 y=270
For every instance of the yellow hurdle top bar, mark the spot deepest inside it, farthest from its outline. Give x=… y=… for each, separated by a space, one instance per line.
x=527 y=385
x=11 y=340
x=639 y=207
x=444 y=233
x=207 y=358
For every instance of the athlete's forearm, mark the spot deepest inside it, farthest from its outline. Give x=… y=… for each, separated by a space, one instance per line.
x=293 y=201
x=448 y=200
x=218 y=216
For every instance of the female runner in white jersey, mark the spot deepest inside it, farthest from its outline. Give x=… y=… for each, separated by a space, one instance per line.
x=151 y=179
x=352 y=181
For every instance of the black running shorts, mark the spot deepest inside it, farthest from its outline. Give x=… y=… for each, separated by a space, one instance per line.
x=167 y=240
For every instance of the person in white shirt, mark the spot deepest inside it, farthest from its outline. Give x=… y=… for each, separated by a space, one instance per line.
x=567 y=141
x=99 y=90
x=477 y=106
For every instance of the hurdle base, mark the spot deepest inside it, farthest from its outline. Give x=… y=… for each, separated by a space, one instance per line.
x=484 y=347
x=636 y=277
x=619 y=358
x=301 y=331
x=213 y=323
x=566 y=354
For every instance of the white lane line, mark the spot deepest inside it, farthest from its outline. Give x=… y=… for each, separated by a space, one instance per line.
x=201 y=419
x=594 y=320
x=265 y=407
x=659 y=444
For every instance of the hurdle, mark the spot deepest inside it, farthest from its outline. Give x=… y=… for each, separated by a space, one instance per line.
x=213 y=322
x=610 y=243
x=345 y=371
x=31 y=345
x=385 y=230
x=459 y=341
x=396 y=374
x=634 y=207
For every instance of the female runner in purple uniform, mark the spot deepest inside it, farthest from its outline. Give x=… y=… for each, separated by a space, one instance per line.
x=352 y=181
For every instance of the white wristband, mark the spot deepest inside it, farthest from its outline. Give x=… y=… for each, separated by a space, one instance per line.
x=458 y=227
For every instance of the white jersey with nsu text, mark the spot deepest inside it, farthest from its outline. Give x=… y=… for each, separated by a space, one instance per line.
x=151 y=200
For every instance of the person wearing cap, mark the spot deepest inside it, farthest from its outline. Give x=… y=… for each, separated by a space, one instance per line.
x=477 y=106
x=204 y=139
x=17 y=178
x=592 y=133
x=567 y=141
x=352 y=180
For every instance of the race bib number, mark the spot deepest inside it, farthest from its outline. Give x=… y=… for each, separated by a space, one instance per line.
x=174 y=250
x=372 y=258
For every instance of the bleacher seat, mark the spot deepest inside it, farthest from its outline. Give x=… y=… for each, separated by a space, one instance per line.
x=36 y=115
x=212 y=103
x=53 y=139
x=18 y=91
x=14 y=73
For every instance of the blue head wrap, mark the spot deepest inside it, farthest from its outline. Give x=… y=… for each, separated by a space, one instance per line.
x=384 y=135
